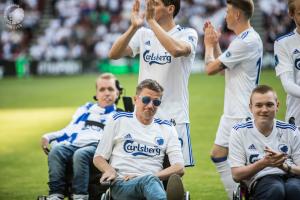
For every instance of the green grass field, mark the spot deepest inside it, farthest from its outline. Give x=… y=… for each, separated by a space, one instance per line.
x=33 y=106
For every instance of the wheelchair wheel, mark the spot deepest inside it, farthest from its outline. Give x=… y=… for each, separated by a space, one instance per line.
x=187 y=196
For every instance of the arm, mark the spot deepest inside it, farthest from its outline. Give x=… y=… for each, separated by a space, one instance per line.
x=176 y=48
x=212 y=50
x=289 y=84
x=271 y=159
x=164 y=174
x=108 y=172
x=120 y=48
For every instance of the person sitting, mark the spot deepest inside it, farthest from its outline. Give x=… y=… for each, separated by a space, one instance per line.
x=264 y=153
x=135 y=145
x=77 y=142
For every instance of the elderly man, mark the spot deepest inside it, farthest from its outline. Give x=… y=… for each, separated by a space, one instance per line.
x=265 y=152
x=77 y=142
x=135 y=145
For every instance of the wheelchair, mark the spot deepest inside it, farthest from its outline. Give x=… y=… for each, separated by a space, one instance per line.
x=242 y=192
x=166 y=163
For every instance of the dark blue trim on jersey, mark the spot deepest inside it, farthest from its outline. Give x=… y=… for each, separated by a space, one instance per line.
x=244 y=35
x=90 y=104
x=248 y=125
x=83 y=117
x=122 y=114
x=284 y=36
x=284 y=125
x=218 y=160
x=161 y=122
x=190 y=145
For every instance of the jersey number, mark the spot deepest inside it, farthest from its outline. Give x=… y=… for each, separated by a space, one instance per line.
x=258 y=66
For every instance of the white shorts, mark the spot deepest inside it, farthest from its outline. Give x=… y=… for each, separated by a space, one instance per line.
x=225 y=126
x=183 y=131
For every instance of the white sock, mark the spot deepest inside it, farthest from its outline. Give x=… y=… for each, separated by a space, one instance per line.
x=224 y=170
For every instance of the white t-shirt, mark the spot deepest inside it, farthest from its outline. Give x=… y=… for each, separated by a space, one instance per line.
x=85 y=128
x=172 y=73
x=136 y=149
x=287 y=59
x=246 y=146
x=243 y=60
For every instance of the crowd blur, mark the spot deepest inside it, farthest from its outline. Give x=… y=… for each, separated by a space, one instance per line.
x=87 y=28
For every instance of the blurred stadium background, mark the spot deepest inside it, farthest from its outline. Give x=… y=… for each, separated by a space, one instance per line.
x=74 y=36
x=56 y=55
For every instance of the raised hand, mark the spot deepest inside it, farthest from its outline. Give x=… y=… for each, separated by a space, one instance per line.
x=150 y=11
x=211 y=36
x=137 y=18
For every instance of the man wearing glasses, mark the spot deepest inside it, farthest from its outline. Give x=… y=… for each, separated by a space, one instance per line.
x=166 y=53
x=135 y=145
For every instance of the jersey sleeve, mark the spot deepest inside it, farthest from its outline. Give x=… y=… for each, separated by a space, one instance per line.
x=236 y=156
x=295 y=144
x=66 y=130
x=283 y=62
x=106 y=144
x=191 y=37
x=173 y=148
x=134 y=43
x=237 y=52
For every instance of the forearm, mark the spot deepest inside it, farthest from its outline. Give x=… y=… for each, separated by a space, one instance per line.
x=212 y=65
x=175 y=47
x=217 y=50
x=102 y=164
x=119 y=48
x=246 y=172
x=173 y=169
x=289 y=85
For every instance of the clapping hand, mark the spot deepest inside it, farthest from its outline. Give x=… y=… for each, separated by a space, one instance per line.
x=137 y=18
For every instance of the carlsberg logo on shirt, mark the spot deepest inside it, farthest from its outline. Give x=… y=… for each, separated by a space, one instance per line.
x=137 y=149
x=152 y=58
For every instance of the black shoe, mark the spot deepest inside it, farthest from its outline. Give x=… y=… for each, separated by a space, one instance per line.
x=175 y=189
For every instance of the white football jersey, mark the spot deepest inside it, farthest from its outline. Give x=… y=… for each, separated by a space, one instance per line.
x=287 y=59
x=85 y=128
x=243 y=60
x=172 y=73
x=246 y=146
x=133 y=148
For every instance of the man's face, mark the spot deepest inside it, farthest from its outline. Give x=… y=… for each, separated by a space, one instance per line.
x=230 y=16
x=106 y=92
x=161 y=11
x=264 y=107
x=146 y=110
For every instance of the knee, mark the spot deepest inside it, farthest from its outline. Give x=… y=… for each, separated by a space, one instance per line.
x=292 y=189
x=277 y=190
x=218 y=152
x=55 y=153
x=80 y=156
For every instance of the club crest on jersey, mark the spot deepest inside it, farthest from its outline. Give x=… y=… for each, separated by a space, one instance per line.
x=152 y=58
x=228 y=54
x=137 y=149
x=297 y=63
x=283 y=148
x=159 y=141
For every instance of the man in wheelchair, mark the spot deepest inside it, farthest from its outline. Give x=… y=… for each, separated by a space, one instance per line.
x=264 y=153
x=135 y=145
x=77 y=142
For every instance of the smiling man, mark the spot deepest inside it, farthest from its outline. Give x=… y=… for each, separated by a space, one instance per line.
x=265 y=152
x=135 y=145
x=167 y=53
